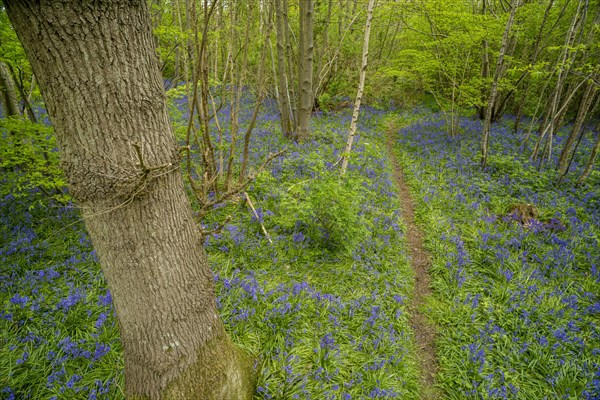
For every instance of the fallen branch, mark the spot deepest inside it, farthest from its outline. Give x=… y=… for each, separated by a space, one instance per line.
x=257 y=217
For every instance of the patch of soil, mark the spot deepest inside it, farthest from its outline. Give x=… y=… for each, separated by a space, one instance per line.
x=420 y=261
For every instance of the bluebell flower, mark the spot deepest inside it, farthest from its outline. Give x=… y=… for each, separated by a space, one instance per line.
x=298 y=237
x=105 y=300
x=19 y=300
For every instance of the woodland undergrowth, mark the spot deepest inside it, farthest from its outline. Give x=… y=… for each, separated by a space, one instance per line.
x=323 y=305
x=515 y=264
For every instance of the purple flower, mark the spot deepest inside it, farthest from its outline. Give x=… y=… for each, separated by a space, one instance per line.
x=101 y=319
x=23 y=358
x=105 y=300
x=19 y=300
x=327 y=342
x=74 y=379
x=100 y=351
x=298 y=237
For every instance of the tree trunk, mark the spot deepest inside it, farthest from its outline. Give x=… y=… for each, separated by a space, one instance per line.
x=291 y=63
x=18 y=80
x=260 y=95
x=305 y=70
x=494 y=90
x=99 y=74
x=485 y=64
x=592 y=160
x=532 y=60
x=361 y=85
x=563 y=65
x=7 y=92
x=282 y=78
x=584 y=106
x=237 y=85
x=323 y=49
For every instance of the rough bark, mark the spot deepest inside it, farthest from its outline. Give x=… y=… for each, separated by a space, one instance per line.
x=99 y=76
x=361 y=86
x=305 y=70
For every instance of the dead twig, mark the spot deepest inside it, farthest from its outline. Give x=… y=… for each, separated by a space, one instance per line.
x=257 y=217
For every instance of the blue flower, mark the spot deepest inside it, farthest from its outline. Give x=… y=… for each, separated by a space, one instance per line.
x=19 y=300
x=298 y=237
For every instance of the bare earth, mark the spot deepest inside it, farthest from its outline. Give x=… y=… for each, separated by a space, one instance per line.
x=420 y=261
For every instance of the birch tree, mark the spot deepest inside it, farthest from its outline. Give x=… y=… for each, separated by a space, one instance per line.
x=361 y=86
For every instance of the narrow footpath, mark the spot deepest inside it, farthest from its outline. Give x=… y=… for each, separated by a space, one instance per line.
x=420 y=261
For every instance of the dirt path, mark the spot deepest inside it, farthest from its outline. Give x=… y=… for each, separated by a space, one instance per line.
x=420 y=261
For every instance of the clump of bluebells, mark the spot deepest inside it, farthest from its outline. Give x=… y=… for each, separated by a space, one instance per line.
x=323 y=306
x=59 y=338
x=518 y=304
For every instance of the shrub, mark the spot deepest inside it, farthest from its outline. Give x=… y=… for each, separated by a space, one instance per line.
x=325 y=213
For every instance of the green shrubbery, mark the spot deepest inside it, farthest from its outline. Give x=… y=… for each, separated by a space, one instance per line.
x=28 y=152
x=325 y=212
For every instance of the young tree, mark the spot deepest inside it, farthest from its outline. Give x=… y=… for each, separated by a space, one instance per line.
x=494 y=90
x=305 y=70
x=285 y=106
x=361 y=86
x=8 y=96
x=98 y=72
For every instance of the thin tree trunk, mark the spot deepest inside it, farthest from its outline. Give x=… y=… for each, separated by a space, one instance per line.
x=591 y=111
x=485 y=63
x=584 y=106
x=291 y=64
x=497 y=74
x=552 y=114
x=323 y=48
x=534 y=56
x=208 y=153
x=236 y=107
x=24 y=96
x=7 y=92
x=305 y=70
x=361 y=85
x=105 y=97
x=282 y=78
x=259 y=97
x=592 y=160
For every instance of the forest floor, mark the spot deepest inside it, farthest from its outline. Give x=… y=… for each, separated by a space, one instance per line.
x=420 y=261
x=411 y=278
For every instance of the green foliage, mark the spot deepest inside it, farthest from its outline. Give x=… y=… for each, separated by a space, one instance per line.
x=29 y=158
x=511 y=293
x=326 y=212
x=13 y=54
x=325 y=101
x=11 y=50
